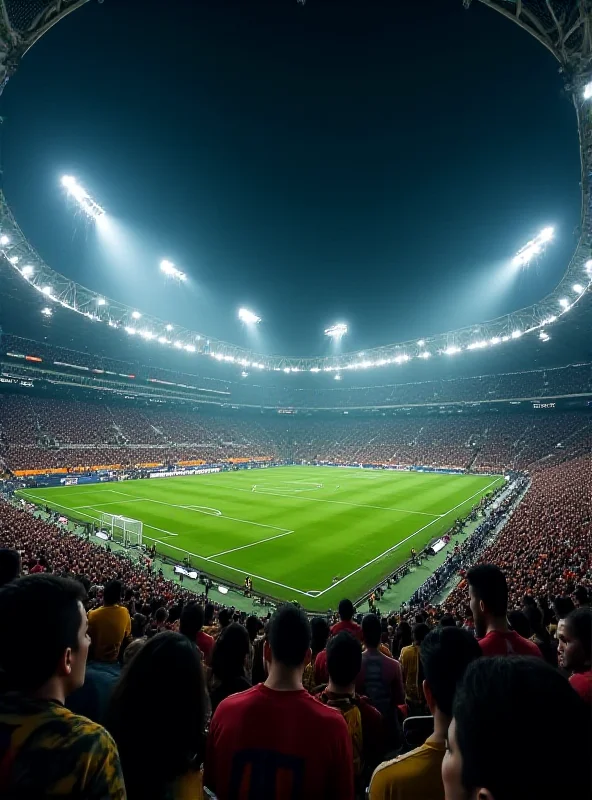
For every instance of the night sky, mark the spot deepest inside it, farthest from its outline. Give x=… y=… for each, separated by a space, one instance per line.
x=364 y=161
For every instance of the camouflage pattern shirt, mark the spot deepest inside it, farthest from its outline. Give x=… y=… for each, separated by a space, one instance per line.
x=47 y=751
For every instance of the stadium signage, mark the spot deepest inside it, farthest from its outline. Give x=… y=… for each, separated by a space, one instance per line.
x=543 y=405
x=178 y=472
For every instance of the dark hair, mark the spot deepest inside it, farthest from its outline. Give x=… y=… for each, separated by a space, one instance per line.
x=139 y=623
x=289 y=635
x=371 y=630
x=489 y=584
x=581 y=595
x=320 y=633
x=346 y=610
x=448 y=621
x=502 y=712
x=420 y=631
x=562 y=607
x=253 y=625
x=191 y=621
x=161 y=614
x=209 y=612
x=224 y=617
x=40 y=619
x=445 y=654
x=229 y=653
x=10 y=565
x=580 y=625
x=534 y=617
x=157 y=714
x=112 y=593
x=344 y=658
x=520 y=623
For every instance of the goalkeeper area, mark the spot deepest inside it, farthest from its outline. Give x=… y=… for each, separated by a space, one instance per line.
x=310 y=534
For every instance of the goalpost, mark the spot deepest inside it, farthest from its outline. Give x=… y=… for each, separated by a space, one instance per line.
x=122 y=529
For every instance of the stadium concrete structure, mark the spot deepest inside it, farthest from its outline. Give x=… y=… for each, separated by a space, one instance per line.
x=77 y=396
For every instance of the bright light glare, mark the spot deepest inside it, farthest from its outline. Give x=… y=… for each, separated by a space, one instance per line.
x=495 y=340
x=421 y=343
x=4 y=240
x=588 y=91
x=564 y=302
x=170 y=269
x=129 y=330
x=190 y=348
x=336 y=331
x=14 y=259
x=450 y=351
x=169 y=327
x=516 y=334
x=425 y=354
x=46 y=312
x=136 y=315
x=588 y=267
x=248 y=317
x=338 y=377
x=578 y=288
x=91 y=208
x=162 y=340
x=534 y=248
x=46 y=290
x=101 y=301
x=27 y=271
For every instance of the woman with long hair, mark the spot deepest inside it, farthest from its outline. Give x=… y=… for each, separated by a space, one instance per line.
x=229 y=659
x=157 y=717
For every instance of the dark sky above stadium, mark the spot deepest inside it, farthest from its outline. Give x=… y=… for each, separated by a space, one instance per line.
x=365 y=161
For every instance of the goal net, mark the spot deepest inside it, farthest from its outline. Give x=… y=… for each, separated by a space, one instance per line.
x=122 y=529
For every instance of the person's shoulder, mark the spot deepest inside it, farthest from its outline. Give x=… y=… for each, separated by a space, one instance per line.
x=401 y=769
x=233 y=702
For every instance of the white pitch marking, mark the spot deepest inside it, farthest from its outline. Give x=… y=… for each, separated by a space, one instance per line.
x=252 y=544
x=419 y=530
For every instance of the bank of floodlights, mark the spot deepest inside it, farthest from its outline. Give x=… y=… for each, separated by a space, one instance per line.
x=171 y=270
x=248 y=317
x=90 y=207
x=534 y=248
x=588 y=91
x=336 y=331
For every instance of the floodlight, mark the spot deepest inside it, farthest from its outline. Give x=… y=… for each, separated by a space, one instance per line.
x=588 y=267
x=544 y=336
x=578 y=288
x=190 y=348
x=421 y=343
x=129 y=330
x=477 y=345
x=146 y=335
x=169 y=327
x=136 y=315
x=179 y=345
x=91 y=208
x=46 y=312
x=248 y=317
x=170 y=269
x=4 y=240
x=27 y=271
x=14 y=260
x=338 y=377
x=452 y=350
x=46 y=290
x=516 y=334
x=315 y=369
x=588 y=91
x=549 y=320
x=162 y=340
x=336 y=331
x=244 y=374
x=533 y=248
x=425 y=354
x=564 y=302
x=101 y=301
x=495 y=340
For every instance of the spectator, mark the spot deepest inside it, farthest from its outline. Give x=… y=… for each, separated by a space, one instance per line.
x=448 y=621
x=403 y=638
x=412 y=672
x=503 y=710
x=446 y=652
x=224 y=618
x=139 y=625
x=275 y=738
x=109 y=626
x=10 y=565
x=229 y=659
x=540 y=635
x=346 y=612
x=364 y=722
x=46 y=750
x=157 y=717
x=575 y=648
x=191 y=624
x=320 y=634
x=488 y=593
x=380 y=677
x=581 y=597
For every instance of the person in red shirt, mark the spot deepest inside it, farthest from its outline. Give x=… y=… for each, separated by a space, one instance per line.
x=346 y=623
x=190 y=625
x=488 y=594
x=575 y=650
x=276 y=740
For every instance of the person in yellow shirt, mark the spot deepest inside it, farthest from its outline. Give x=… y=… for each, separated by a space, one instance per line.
x=445 y=655
x=410 y=667
x=109 y=626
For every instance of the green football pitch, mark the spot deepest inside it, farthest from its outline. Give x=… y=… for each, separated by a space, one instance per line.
x=311 y=534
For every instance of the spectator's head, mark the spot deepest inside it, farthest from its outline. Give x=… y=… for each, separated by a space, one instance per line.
x=10 y=565
x=534 y=617
x=371 y=631
x=562 y=607
x=139 y=625
x=320 y=632
x=420 y=631
x=404 y=634
x=230 y=652
x=157 y=714
x=581 y=597
x=43 y=634
x=448 y=621
x=488 y=593
x=254 y=626
x=224 y=617
x=192 y=620
x=288 y=639
x=502 y=711
x=346 y=610
x=112 y=593
x=209 y=614
x=344 y=661
x=445 y=655
x=161 y=615
x=132 y=648
x=575 y=640
x=519 y=622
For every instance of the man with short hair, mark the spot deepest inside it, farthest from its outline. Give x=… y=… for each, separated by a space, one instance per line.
x=488 y=594
x=445 y=654
x=364 y=722
x=575 y=650
x=275 y=740
x=191 y=624
x=10 y=565
x=346 y=613
x=45 y=749
x=411 y=669
x=110 y=625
